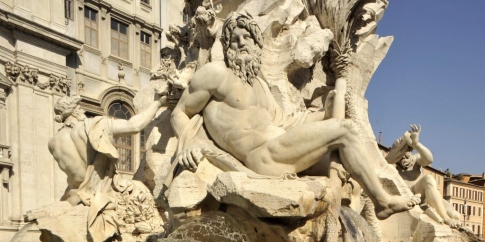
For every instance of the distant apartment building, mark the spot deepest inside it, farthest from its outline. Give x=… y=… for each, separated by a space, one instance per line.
x=467 y=199
x=480 y=181
x=102 y=50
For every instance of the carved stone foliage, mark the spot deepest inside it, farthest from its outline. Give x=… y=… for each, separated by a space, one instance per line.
x=23 y=73
x=138 y=215
x=16 y=72
x=353 y=23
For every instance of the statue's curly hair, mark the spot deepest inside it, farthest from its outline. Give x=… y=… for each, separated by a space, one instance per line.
x=242 y=21
x=65 y=106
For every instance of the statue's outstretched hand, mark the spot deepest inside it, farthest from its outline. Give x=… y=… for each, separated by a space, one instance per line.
x=161 y=94
x=414 y=136
x=190 y=158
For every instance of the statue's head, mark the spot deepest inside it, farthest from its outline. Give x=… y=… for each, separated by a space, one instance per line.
x=204 y=17
x=68 y=106
x=242 y=41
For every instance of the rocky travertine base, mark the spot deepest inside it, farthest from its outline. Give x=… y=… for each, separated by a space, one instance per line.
x=221 y=226
x=286 y=208
x=61 y=220
x=139 y=219
x=287 y=196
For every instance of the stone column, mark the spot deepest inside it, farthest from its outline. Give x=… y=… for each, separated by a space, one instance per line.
x=4 y=204
x=13 y=127
x=5 y=163
x=3 y=119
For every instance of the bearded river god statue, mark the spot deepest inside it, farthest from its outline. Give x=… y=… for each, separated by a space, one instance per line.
x=243 y=119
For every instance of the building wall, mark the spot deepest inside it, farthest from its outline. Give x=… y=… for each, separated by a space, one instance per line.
x=42 y=53
x=172 y=13
x=458 y=193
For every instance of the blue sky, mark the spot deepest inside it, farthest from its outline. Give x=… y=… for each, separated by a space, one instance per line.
x=434 y=75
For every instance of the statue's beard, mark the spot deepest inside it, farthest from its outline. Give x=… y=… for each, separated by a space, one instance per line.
x=244 y=65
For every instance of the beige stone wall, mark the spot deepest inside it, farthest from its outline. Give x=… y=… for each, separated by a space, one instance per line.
x=98 y=65
x=26 y=125
x=171 y=13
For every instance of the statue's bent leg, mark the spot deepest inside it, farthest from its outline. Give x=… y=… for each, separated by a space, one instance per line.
x=297 y=149
x=427 y=186
x=304 y=145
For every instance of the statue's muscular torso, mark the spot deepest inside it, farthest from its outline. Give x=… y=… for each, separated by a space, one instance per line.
x=69 y=148
x=412 y=175
x=237 y=116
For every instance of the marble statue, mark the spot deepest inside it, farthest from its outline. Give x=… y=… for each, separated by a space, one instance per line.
x=241 y=117
x=179 y=36
x=83 y=149
x=208 y=30
x=262 y=118
x=409 y=167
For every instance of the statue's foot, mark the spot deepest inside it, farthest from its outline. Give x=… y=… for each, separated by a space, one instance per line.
x=397 y=204
x=454 y=224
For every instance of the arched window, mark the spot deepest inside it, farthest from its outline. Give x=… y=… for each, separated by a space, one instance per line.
x=124 y=144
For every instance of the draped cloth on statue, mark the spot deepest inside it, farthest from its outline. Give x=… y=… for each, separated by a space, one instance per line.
x=101 y=181
x=213 y=153
x=280 y=118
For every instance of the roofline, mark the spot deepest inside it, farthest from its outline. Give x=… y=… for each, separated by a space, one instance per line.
x=451 y=180
x=14 y=21
x=435 y=170
x=384 y=147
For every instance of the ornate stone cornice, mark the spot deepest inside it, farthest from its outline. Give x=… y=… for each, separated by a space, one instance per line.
x=5 y=83
x=23 y=73
x=117 y=93
x=13 y=21
x=91 y=105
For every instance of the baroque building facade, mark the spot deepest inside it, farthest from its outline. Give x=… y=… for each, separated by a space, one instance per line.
x=468 y=199
x=102 y=50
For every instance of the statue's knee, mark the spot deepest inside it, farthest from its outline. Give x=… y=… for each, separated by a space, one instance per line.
x=430 y=181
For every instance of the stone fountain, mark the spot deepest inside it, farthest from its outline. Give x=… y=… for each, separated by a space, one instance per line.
x=259 y=132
